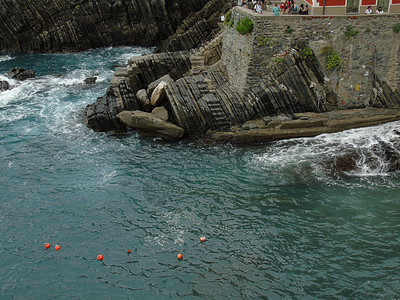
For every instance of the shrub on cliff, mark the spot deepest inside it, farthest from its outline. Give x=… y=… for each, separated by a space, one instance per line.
x=333 y=60
x=228 y=17
x=245 y=25
x=396 y=28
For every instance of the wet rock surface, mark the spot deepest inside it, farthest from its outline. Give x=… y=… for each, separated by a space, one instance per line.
x=21 y=73
x=4 y=85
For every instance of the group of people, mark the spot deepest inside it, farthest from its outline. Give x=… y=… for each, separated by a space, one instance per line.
x=368 y=11
x=286 y=7
x=289 y=7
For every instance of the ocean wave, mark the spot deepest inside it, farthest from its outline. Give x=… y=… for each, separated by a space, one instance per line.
x=5 y=58
x=358 y=152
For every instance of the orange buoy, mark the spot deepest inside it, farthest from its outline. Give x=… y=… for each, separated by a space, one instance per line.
x=203 y=239
x=179 y=256
x=57 y=247
x=47 y=245
x=128 y=251
x=100 y=257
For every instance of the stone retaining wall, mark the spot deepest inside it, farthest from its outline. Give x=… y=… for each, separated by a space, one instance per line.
x=369 y=57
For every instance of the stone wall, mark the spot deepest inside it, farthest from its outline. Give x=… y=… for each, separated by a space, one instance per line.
x=370 y=58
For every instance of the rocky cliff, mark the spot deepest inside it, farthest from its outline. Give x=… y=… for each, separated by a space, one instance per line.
x=269 y=84
x=74 y=25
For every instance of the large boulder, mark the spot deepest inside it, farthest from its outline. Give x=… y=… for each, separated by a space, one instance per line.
x=4 y=85
x=155 y=83
x=149 y=125
x=21 y=73
x=159 y=94
x=161 y=113
x=144 y=100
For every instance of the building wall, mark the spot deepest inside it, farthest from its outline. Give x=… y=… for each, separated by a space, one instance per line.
x=363 y=55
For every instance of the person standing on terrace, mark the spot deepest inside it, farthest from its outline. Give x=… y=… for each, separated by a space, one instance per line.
x=275 y=10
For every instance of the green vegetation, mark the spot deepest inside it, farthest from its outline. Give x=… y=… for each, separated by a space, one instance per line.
x=333 y=59
x=265 y=41
x=245 y=25
x=231 y=23
x=228 y=17
x=367 y=29
x=308 y=53
x=396 y=28
x=350 y=32
x=278 y=60
x=289 y=29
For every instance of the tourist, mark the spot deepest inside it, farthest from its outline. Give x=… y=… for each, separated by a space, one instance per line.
x=302 y=10
x=275 y=10
x=283 y=6
x=258 y=8
x=306 y=9
x=368 y=11
x=289 y=6
x=379 y=10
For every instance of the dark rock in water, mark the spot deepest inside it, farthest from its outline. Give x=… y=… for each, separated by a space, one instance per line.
x=388 y=154
x=21 y=73
x=4 y=85
x=90 y=80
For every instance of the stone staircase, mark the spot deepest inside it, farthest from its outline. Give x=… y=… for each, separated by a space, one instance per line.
x=207 y=54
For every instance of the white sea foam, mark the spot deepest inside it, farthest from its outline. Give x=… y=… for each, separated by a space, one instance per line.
x=5 y=57
x=320 y=154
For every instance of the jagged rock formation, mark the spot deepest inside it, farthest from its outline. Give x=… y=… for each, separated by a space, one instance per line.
x=73 y=25
x=122 y=94
x=197 y=27
x=21 y=73
x=251 y=88
x=201 y=97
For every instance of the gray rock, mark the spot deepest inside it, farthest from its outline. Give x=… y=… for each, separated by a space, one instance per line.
x=21 y=73
x=144 y=100
x=155 y=83
x=4 y=85
x=90 y=80
x=159 y=94
x=161 y=113
x=149 y=125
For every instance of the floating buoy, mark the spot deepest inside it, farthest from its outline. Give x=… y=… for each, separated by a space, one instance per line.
x=57 y=247
x=128 y=251
x=179 y=256
x=47 y=245
x=100 y=257
x=203 y=239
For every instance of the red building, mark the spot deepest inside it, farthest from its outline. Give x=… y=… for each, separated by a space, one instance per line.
x=341 y=7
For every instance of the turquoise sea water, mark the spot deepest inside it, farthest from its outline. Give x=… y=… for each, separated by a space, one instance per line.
x=281 y=219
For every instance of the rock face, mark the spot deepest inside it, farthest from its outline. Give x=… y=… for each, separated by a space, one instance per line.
x=71 y=25
x=123 y=92
x=21 y=73
x=197 y=27
x=149 y=125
